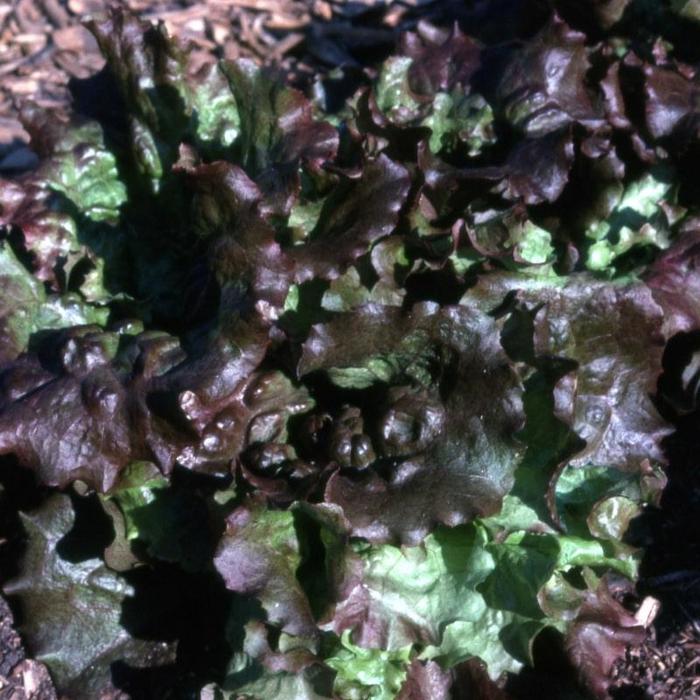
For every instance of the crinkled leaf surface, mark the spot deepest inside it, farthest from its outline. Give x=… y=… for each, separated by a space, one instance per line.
x=441 y=60
x=90 y=416
x=543 y=87
x=84 y=171
x=278 y=131
x=638 y=218
x=355 y=215
x=307 y=685
x=244 y=251
x=376 y=673
x=613 y=332
x=449 y=445
x=675 y=284
x=457 y=118
x=599 y=635
x=460 y=594
x=25 y=308
x=425 y=680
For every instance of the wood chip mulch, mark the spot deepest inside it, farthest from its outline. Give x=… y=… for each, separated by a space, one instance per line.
x=661 y=671
x=20 y=678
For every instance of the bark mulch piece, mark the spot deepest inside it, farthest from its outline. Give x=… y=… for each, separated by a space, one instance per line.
x=20 y=678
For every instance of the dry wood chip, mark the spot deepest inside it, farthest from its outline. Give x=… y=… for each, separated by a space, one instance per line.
x=267 y=5
x=286 y=45
x=221 y=32
x=56 y=12
x=286 y=23
x=232 y=50
x=323 y=10
x=84 y=7
x=11 y=130
x=648 y=611
x=30 y=39
x=74 y=38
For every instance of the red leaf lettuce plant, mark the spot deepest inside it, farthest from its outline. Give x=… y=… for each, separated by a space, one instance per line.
x=377 y=384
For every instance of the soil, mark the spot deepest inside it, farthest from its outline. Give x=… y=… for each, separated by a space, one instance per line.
x=44 y=50
x=20 y=678
x=668 y=664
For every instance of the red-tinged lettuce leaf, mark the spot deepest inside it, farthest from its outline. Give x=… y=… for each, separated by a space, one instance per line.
x=670 y=99
x=425 y=680
x=613 y=332
x=75 y=422
x=459 y=595
x=481 y=590
x=166 y=98
x=51 y=213
x=150 y=72
x=243 y=251
x=49 y=236
x=445 y=445
x=471 y=680
x=25 y=307
x=614 y=99
x=259 y=555
x=535 y=171
x=499 y=234
x=675 y=283
x=411 y=594
x=233 y=407
x=77 y=163
x=599 y=635
x=376 y=281
x=278 y=132
x=262 y=671
x=429 y=85
x=441 y=60
x=543 y=85
x=72 y=610
x=223 y=400
x=94 y=413
x=357 y=213
x=270 y=463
